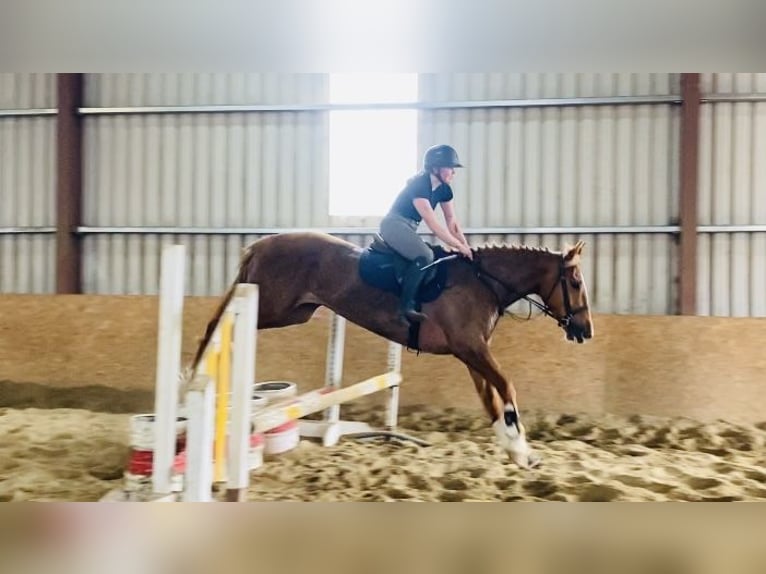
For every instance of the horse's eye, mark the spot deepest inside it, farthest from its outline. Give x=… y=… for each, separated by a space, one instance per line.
x=576 y=284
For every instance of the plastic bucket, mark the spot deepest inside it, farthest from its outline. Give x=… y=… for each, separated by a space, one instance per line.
x=258 y=402
x=138 y=474
x=274 y=391
x=142 y=432
x=282 y=438
x=255 y=454
x=287 y=436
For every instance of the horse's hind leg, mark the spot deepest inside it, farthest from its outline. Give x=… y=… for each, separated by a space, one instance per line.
x=508 y=429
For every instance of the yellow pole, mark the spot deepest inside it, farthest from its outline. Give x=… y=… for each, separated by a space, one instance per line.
x=223 y=385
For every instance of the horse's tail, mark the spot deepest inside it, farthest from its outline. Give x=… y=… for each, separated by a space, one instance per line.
x=244 y=261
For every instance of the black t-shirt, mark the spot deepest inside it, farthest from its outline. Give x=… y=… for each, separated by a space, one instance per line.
x=419 y=186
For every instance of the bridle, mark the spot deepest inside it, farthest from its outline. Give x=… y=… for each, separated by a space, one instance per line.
x=564 y=322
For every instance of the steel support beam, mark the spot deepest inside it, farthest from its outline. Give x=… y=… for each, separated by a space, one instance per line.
x=690 y=118
x=68 y=183
x=426 y=106
x=222 y=231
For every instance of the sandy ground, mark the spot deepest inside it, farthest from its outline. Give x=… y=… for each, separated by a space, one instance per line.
x=79 y=455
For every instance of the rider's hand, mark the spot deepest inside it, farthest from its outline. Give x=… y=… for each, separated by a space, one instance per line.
x=465 y=251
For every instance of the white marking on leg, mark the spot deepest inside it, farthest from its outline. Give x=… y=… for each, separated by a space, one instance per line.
x=512 y=437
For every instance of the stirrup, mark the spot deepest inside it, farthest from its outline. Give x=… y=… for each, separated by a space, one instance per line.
x=414 y=316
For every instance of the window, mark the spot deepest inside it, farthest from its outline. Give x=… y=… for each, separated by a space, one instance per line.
x=372 y=152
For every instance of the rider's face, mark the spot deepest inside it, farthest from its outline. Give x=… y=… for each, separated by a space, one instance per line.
x=447 y=174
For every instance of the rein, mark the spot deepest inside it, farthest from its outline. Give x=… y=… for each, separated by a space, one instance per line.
x=483 y=275
x=564 y=322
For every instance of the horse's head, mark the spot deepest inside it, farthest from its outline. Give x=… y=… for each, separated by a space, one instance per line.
x=567 y=295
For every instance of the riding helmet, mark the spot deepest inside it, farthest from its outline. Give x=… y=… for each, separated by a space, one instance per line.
x=440 y=156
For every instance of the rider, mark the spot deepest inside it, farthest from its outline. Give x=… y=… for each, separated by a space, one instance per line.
x=416 y=203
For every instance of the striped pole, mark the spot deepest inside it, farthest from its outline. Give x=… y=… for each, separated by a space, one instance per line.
x=315 y=401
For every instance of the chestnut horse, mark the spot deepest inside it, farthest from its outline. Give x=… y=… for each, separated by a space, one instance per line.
x=299 y=272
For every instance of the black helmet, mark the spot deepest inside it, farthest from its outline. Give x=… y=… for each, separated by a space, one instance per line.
x=440 y=156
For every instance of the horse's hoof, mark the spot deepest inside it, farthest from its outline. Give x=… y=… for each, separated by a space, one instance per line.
x=533 y=460
x=526 y=460
x=522 y=458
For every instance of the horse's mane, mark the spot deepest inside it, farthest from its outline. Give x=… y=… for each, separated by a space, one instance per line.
x=505 y=248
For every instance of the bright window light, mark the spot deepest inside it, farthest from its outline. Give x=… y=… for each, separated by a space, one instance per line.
x=372 y=152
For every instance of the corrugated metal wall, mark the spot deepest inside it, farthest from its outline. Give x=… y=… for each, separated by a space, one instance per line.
x=27 y=183
x=265 y=169
x=571 y=166
x=563 y=166
x=558 y=166
x=732 y=185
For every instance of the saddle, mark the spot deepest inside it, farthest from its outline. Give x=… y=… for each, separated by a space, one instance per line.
x=382 y=267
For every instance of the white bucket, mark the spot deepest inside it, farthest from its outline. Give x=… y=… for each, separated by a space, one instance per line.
x=275 y=391
x=255 y=453
x=287 y=436
x=281 y=439
x=142 y=431
x=258 y=402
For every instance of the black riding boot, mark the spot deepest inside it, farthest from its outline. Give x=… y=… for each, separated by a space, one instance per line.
x=410 y=285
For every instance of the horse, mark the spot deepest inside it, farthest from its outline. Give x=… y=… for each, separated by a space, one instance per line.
x=298 y=272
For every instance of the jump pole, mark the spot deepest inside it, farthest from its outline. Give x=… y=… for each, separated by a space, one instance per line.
x=243 y=376
x=332 y=428
x=392 y=404
x=168 y=376
x=320 y=399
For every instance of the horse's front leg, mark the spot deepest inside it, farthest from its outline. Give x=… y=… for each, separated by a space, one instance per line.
x=499 y=399
x=489 y=397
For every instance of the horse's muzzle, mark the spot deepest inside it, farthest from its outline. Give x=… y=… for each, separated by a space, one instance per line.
x=576 y=332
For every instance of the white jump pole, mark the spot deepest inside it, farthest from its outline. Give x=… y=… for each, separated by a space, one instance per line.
x=334 y=371
x=331 y=428
x=243 y=375
x=392 y=405
x=200 y=430
x=200 y=406
x=171 y=302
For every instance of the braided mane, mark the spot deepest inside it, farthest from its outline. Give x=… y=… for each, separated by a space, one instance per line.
x=504 y=248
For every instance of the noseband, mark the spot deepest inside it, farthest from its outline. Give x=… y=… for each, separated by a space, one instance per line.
x=563 y=322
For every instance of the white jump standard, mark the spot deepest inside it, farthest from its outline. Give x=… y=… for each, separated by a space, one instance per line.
x=332 y=427
x=217 y=400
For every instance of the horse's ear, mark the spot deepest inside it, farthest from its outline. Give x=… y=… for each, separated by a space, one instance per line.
x=572 y=253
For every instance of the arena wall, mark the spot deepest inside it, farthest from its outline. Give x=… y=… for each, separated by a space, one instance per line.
x=99 y=352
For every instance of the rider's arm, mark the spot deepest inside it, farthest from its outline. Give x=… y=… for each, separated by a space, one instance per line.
x=429 y=217
x=452 y=223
